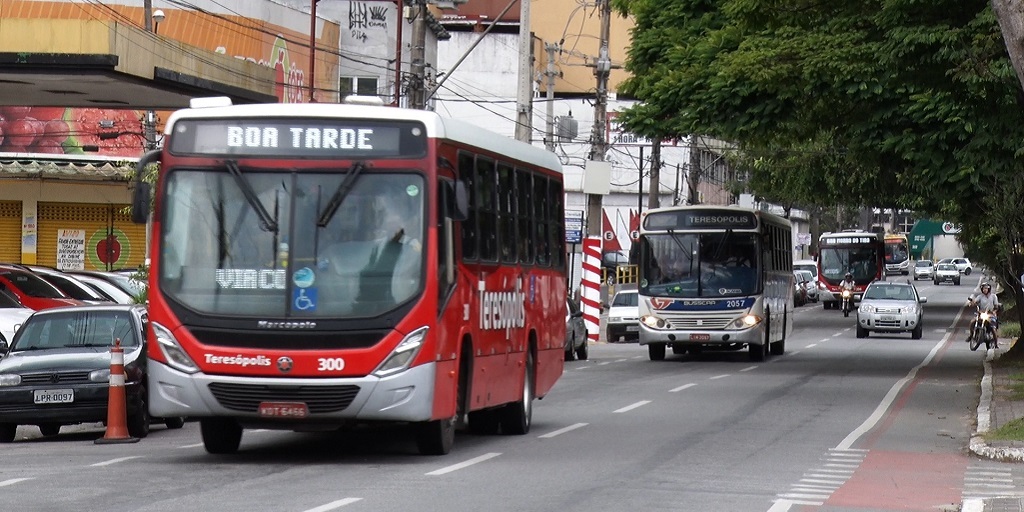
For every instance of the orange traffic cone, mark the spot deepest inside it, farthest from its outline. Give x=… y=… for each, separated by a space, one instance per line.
x=117 y=407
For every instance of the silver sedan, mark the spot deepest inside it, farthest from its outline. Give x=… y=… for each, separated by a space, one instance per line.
x=891 y=308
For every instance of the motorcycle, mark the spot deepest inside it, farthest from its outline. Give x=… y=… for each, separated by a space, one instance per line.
x=983 y=329
x=847 y=301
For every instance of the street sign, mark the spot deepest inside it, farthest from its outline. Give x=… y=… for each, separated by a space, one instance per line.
x=573 y=226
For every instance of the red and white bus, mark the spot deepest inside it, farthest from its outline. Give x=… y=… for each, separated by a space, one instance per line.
x=862 y=253
x=316 y=266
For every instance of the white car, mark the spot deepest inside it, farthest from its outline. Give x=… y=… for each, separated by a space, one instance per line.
x=810 y=283
x=890 y=307
x=924 y=269
x=623 y=317
x=947 y=273
x=12 y=315
x=963 y=265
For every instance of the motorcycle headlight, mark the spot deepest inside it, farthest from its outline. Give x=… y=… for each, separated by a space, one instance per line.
x=176 y=356
x=985 y=316
x=8 y=379
x=846 y=294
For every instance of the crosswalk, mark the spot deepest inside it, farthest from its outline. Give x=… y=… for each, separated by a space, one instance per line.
x=817 y=484
x=990 y=480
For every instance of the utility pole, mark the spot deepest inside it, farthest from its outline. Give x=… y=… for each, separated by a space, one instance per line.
x=693 y=173
x=418 y=58
x=599 y=146
x=524 y=89
x=312 y=50
x=149 y=119
x=654 y=183
x=549 y=133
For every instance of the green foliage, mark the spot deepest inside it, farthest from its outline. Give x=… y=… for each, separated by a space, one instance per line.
x=891 y=104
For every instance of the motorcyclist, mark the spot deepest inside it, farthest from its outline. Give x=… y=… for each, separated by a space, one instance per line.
x=847 y=284
x=985 y=300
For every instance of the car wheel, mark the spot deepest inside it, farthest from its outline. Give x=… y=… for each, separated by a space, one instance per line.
x=49 y=429
x=220 y=435
x=918 y=331
x=174 y=423
x=583 y=353
x=7 y=431
x=957 y=282
x=517 y=416
x=138 y=423
x=936 y=282
x=570 y=354
x=967 y=271
x=862 y=332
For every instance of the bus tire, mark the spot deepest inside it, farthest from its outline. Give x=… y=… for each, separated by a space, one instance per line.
x=220 y=435
x=759 y=352
x=779 y=347
x=515 y=418
x=678 y=349
x=656 y=351
x=436 y=437
x=484 y=422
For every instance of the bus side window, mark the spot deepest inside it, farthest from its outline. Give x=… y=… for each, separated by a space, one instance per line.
x=540 y=216
x=469 y=226
x=486 y=202
x=524 y=189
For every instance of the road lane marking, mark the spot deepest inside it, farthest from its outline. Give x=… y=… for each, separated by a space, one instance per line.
x=716 y=377
x=837 y=334
x=13 y=481
x=462 y=465
x=561 y=431
x=196 y=445
x=334 y=504
x=680 y=388
x=623 y=360
x=633 y=406
x=823 y=340
x=115 y=461
x=812 y=345
x=747 y=369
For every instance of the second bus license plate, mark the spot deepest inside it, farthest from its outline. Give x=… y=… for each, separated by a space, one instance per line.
x=283 y=410
x=700 y=337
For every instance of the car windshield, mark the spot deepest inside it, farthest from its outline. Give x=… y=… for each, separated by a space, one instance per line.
x=32 y=285
x=625 y=300
x=71 y=329
x=889 y=293
x=924 y=263
x=946 y=266
x=945 y=260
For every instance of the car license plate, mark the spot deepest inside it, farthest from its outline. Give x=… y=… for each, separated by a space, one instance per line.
x=888 y=318
x=632 y=327
x=283 y=410
x=54 y=396
x=700 y=337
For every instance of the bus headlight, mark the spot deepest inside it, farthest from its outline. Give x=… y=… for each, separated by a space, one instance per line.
x=745 y=322
x=401 y=357
x=654 y=322
x=176 y=356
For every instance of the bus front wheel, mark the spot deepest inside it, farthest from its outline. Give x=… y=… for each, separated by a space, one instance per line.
x=436 y=437
x=656 y=351
x=516 y=417
x=220 y=435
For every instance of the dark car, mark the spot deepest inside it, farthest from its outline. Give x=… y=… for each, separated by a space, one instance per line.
x=33 y=291
x=575 y=333
x=57 y=370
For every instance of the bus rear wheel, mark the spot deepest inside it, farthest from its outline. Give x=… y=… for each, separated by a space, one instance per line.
x=220 y=435
x=515 y=418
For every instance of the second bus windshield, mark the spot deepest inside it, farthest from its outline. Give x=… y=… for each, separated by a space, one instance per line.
x=365 y=260
x=691 y=265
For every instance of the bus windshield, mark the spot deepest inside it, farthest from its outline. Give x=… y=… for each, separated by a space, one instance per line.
x=707 y=264
x=860 y=261
x=896 y=251
x=220 y=256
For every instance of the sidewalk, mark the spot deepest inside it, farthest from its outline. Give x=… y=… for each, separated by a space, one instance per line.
x=994 y=410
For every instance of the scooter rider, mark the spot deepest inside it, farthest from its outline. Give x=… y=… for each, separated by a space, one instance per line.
x=986 y=300
x=847 y=284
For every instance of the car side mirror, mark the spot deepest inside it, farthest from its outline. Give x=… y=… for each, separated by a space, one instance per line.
x=922 y=300
x=4 y=347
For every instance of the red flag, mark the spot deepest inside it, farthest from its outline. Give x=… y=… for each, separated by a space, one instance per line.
x=611 y=242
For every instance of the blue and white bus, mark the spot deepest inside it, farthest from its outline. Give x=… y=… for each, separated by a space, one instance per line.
x=715 y=277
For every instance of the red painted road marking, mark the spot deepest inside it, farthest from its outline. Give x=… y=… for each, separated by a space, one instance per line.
x=907 y=480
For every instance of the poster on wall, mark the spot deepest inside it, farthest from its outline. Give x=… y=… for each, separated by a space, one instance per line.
x=70 y=249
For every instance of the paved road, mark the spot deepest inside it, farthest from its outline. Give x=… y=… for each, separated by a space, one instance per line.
x=836 y=424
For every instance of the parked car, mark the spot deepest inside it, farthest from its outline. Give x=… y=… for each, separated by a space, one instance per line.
x=808 y=265
x=810 y=284
x=57 y=370
x=107 y=289
x=611 y=261
x=31 y=290
x=575 y=333
x=799 y=291
x=963 y=265
x=623 y=317
x=891 y=307
x=70 y=285
x=124 y=281
x=924 y=269
x=947 y=273
x=12 y=314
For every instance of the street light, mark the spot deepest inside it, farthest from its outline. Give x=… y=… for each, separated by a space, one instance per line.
x=158 y=17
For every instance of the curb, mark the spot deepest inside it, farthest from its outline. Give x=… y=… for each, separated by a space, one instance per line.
x=978 y=445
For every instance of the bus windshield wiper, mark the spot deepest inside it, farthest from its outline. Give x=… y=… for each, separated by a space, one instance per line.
x=339 y=194
x=266 y=221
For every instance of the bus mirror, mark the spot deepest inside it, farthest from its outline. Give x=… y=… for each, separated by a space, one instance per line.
x=458 y=201
x=140 y=203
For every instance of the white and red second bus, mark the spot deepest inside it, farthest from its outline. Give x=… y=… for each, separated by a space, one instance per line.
x=316 y=266
x=861 y=253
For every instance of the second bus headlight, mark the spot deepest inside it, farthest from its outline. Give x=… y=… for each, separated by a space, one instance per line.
x=654 y=322
x=401 y=357
x=176 y=356
x=745 y=322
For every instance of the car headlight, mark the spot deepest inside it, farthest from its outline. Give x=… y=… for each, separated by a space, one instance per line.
x=745 y=322
x=910 y=309
x=9 y=379
x=401 y=357
x=176 y=356
x=100 y=375
x=867 y=308
x=616 y=320
x=654 y=322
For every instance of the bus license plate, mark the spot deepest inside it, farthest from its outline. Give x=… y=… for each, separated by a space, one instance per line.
x=283 y=410
x=54 y=396
x=700 y=337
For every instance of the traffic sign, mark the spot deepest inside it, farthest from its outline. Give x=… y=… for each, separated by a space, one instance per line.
x=573 y=226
